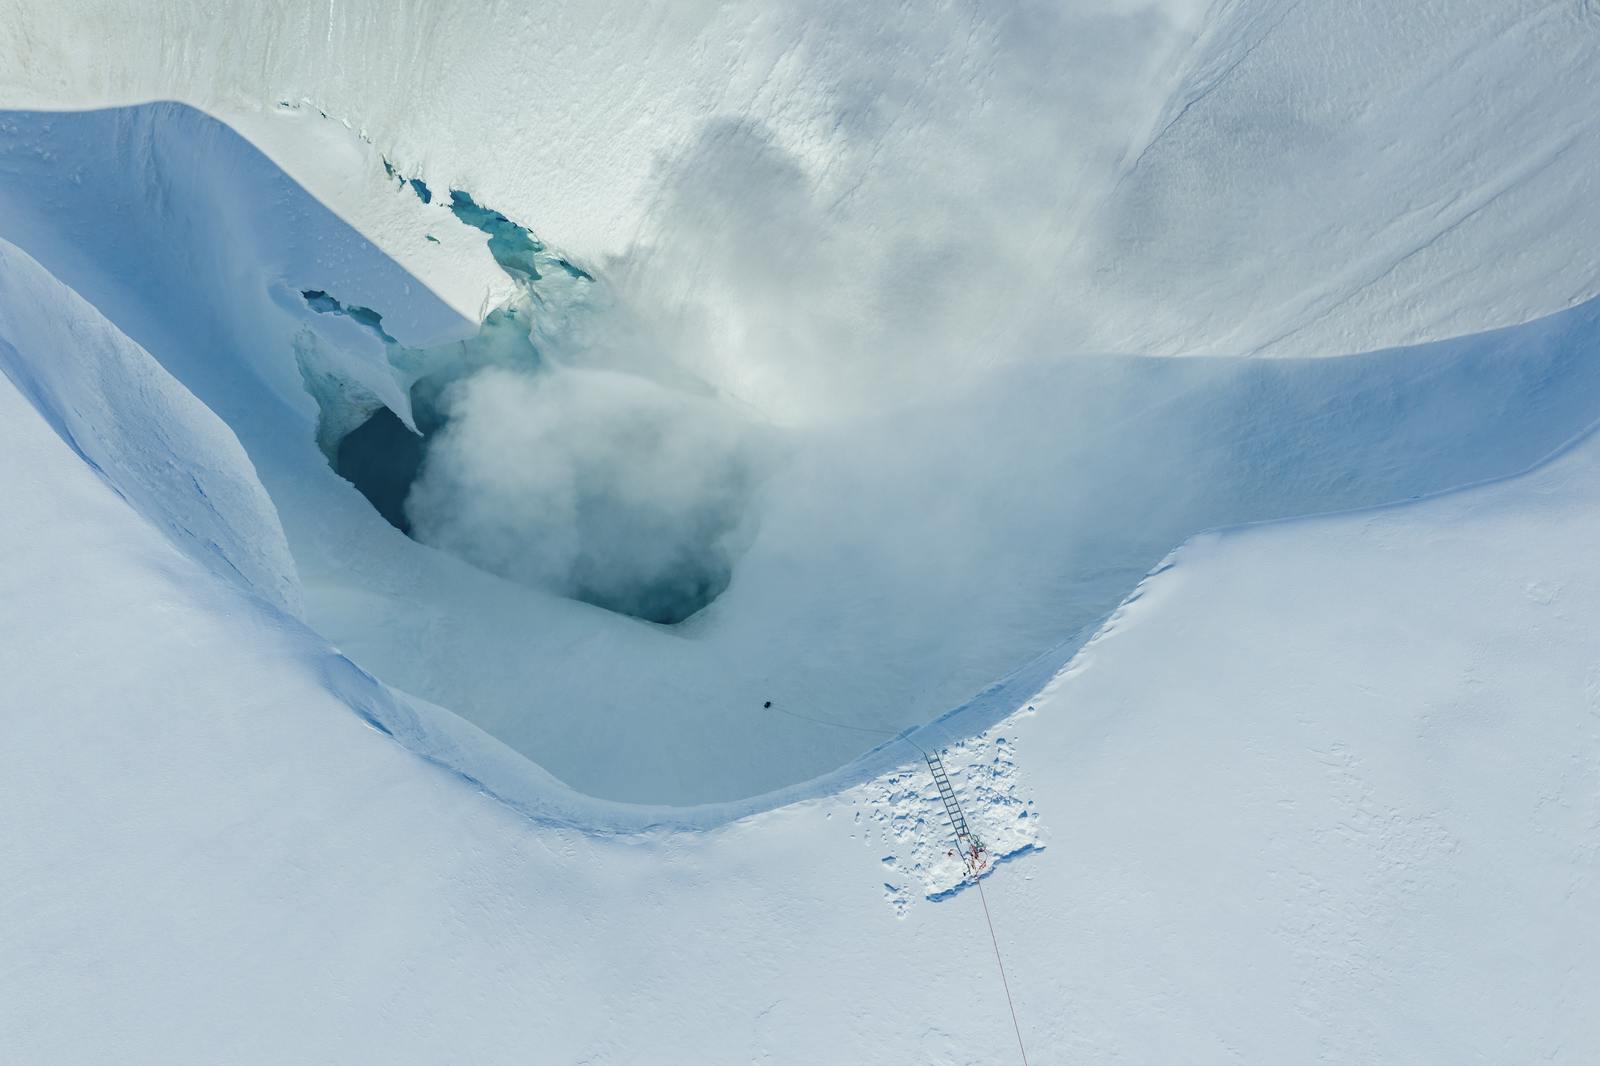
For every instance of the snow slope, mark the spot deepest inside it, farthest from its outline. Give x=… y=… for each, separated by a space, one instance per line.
x=888 y=575
x=817 y=204
x=126 y=418
x=1324 y=789
x=1318 y=789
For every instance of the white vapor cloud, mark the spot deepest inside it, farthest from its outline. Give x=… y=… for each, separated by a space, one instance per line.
x=601 y=486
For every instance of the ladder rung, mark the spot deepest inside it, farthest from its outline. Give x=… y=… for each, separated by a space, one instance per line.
x=947 y=794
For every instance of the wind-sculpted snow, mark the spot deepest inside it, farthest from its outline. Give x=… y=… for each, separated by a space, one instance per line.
x=130 y=421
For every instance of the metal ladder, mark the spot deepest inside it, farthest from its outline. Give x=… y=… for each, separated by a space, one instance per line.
x=958 y=821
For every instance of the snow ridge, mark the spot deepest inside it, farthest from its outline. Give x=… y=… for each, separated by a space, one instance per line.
x=162 y=450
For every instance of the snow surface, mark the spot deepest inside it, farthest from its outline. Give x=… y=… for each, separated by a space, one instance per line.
x=1323 y=788
x=885 y=576
x=821 y=201
x=169 y=456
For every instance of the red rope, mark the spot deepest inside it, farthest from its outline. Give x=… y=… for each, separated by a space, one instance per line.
x=1003 y=982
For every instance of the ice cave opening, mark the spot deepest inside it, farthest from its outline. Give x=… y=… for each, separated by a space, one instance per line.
x=594 y=516
x=381 y=457
x=606 y=488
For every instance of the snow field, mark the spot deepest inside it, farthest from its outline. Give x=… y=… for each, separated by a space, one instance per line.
x=1019 y=301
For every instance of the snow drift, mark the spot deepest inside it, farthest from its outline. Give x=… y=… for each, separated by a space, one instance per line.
x=129 y=421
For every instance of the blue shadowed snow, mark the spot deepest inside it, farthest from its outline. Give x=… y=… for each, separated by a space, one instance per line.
x=385 y=459
x=889 y=568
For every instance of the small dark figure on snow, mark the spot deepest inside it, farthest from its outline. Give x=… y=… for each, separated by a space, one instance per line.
x=768 y=704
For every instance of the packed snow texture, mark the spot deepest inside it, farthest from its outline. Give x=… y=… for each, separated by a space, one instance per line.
x=903 y=811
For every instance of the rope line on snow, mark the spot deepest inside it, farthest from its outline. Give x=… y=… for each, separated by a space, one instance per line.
x=852 y=728
x=958 y=823
x=1003 y=983
x=971 y=854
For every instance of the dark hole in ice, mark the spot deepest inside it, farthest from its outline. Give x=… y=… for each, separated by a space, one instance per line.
x=666 y=601
x=381 y=457
x=323 y=304
x=575 y=271
x=634 y=556
x=513 y=246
